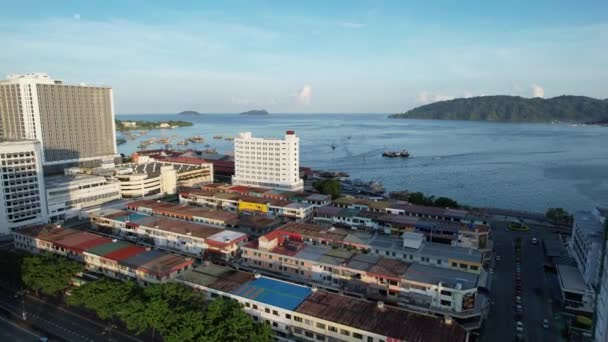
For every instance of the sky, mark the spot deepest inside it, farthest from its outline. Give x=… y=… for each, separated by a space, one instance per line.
x=309 y=56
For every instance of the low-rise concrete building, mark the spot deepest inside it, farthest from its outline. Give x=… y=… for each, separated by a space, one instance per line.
x=192 y=238
x=112 y=258
x=425 y=288
x=441 y=231
x=410 y=247
x=236 y=202
x=67 y=195
x=300 y=313
x=212 y=217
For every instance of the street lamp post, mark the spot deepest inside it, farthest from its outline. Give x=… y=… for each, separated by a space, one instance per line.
x=22 y=293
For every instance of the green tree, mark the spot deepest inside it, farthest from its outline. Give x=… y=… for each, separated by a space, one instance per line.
x=442 y=202
x=226 y=321
x=106 y=297
x=331 y=187
x=48 y=273
x=190 y=326
x=445 y=202
x=559 y=215
x=419 y=198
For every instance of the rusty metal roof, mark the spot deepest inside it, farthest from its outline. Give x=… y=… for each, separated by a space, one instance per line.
x=387 y=321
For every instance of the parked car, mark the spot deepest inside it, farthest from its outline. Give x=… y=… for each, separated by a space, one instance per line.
x=545 y=323
x=498 y=258
x=519 y=326
x=534 y=241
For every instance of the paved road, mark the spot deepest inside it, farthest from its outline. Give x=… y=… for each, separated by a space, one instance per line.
x=500 y=325
x=62 y=323
x=10 y=331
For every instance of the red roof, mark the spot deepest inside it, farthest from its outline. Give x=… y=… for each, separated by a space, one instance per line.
x=124 y=253
x=81 y=241
x=239 y=188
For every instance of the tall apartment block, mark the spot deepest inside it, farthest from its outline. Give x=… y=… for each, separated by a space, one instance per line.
x=267 y=163
x=74 y=123
x=22 y=194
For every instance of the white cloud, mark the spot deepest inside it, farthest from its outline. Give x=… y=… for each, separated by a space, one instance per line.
x=425 y=97
x=537 y=91
x=351 y=25
x=304 y=95
x=77 y=16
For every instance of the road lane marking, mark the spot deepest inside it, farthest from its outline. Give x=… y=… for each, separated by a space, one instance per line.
x=20 y=327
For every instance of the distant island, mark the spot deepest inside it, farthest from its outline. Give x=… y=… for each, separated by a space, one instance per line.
x=190 y=113
x=503 y=108
x=132 y=125
x=255 y=112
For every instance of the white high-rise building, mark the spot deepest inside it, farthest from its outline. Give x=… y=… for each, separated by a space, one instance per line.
x=268 y=163
x=22 y=194
x=601 y=305
x=74 y=123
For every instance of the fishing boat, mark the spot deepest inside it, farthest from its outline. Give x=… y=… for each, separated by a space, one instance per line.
x=209 y=151
x=396 y=154
x=196 y=139
x=217 y=137
x=229 y=138
x=183 y=142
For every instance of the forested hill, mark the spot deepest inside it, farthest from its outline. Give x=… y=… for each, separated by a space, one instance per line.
x=565 y=108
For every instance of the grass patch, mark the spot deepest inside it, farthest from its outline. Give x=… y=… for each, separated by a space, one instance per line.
x=518 y=227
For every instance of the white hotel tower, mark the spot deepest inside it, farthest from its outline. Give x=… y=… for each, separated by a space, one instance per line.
x=268 y=163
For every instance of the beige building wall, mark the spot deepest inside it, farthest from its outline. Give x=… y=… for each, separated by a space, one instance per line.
x=77 y=122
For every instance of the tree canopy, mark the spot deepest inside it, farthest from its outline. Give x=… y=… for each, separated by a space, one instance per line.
x=443 y=202
x=175 y=311
x=330 y=187
x=49 y=274
x=559 y=215
x=563 y=108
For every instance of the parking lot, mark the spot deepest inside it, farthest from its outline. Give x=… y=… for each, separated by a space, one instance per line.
x=537 y=288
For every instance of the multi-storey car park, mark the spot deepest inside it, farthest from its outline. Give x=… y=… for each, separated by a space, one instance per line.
x=66 y=195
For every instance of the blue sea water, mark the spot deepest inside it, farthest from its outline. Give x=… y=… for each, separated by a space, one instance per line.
x=518 y=166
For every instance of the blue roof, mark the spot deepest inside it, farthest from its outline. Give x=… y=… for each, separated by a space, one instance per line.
x=273 y=292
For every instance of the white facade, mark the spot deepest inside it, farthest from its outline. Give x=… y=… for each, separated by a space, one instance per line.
x=134 y=185
x=268 y=163
x=22 y=195
x=586 y=245
x=66 y=195
x=601 y=317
